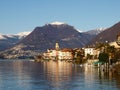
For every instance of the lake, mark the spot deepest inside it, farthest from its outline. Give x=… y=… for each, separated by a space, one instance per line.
x=29 y=75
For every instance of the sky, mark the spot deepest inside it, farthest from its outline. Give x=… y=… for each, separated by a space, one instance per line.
x=24 y=15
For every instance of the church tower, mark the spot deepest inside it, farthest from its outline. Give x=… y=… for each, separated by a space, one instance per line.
x=57 y=46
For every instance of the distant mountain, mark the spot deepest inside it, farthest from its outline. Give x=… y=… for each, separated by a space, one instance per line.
x=109 y=35
x=96 y=31
x=93 y=33
x=7 y=41
x=22 y=35
x=45 y=37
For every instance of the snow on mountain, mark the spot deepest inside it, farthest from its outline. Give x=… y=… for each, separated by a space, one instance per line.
x=2 y=37
x=23 y=34
x=19 y=35
x=91 y=32
x=79 y=30
x=95 y=31
x=57 y=23
x=99 y=30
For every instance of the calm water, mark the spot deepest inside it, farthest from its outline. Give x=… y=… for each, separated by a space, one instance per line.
x=28 y=75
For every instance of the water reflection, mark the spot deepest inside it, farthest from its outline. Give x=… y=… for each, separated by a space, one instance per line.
x=57 y=73
x=27 y=75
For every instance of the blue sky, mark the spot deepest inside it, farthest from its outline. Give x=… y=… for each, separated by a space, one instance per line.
x=24 y=15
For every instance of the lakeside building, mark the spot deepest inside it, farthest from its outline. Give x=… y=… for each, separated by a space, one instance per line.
x=67 y=54
x=57 y=53
x=92 y=52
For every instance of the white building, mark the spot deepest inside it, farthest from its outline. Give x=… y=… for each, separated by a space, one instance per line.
x=91 y=51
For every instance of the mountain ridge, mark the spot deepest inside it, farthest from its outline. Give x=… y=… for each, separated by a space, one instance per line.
x=109 y=35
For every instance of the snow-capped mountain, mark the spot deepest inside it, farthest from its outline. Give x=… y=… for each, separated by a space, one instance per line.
x=23 y=34
x=19 y=35
x=56 y=23
x=9 y=40
x=45 y=37
x=95 y=31
x=109 y=34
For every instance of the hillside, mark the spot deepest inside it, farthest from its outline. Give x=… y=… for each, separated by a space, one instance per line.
x=109 y=35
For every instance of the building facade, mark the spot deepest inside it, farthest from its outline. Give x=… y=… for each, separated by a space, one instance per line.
x=54 y=54
x=91 y=51
x=60 y=55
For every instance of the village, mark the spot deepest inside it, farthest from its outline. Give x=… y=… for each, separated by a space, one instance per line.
x=89 y=54
x=104 y=55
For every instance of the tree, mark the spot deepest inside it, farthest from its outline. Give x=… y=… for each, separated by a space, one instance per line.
x=103 y=57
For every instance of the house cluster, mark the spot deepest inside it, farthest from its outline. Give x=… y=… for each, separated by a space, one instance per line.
x=58 y=54
x=68 y=54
